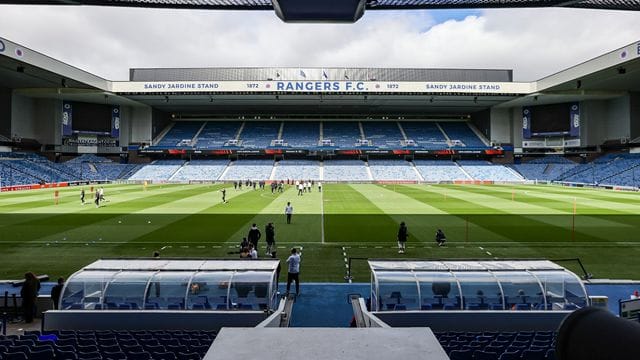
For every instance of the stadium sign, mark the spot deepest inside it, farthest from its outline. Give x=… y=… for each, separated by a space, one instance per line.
x=261 y=152
x=140 y=87
x=2 y=46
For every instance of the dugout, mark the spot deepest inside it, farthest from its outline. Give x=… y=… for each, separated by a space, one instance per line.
x=474 y=285
x=158 y=284
x=197 y=294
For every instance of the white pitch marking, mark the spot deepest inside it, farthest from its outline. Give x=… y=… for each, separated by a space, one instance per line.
x=488 y=253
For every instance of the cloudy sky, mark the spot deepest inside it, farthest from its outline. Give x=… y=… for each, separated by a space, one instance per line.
x=109 y=41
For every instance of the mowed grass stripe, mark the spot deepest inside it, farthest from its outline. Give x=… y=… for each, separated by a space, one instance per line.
x=585 y=205
x=492 y=200
x=28 y=227
x=612 y=199
x=213 y=225
x=508 y=225
x=130 y=226
x=44 y=200
x=306 y=221
x=598 y=222
x=351 y=217
x=70 y=206
x=36 y=193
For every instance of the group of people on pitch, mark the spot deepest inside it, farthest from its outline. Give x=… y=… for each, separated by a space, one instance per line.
x=249 y=250
x=98 y=196
x=403 y=235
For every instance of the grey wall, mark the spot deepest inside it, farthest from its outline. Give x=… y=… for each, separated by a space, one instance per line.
x=5 y=112
x=605 y=120
x=634 y=115
x=475 y=320
x=38 y=119
x=138 y=126
x=501 y=126
x=149 y=320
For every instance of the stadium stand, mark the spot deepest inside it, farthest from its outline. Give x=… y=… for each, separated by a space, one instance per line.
x=160 y=170
x=383 y=134
x=426 y=134
x=248 y=170
x=258 y=134
x=206 y=170
x=180 y=135
x=459 y=130
x=343 y=134
x=215 y=134
x=546 y=168
x=484 y=170
x=439 y=170
x=108 y=345
x=604 y=170
x=345 y=170
x=297 y=170
x=301 y=134
x=494 y=345
x=392 y=170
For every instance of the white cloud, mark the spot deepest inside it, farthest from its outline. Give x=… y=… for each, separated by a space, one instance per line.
x=108 y=41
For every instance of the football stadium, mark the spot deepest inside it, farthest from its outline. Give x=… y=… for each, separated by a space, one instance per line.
x=436 y=213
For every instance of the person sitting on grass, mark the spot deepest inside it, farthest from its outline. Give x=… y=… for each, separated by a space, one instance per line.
x=440 y=237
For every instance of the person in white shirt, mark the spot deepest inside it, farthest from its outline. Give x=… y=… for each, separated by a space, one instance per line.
x=300 y=189
x=288 y=211
x=294 y=270
x=253 y=253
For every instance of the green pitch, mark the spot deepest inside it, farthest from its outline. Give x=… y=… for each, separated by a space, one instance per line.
x=358 y=221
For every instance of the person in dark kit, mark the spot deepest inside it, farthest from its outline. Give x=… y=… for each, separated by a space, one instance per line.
x=440 y=238
x=403 y=234
x=97 y=198
x=29 y=293
x=270 y=232
x=240 y=185
x=56 y=291
x=254 y=185
x=289 y=212
x=235 y=185
x=254 y=235
x=281 y=187
x=273 y=187
x=82 y=196
x=224 y=195
x=294 y=271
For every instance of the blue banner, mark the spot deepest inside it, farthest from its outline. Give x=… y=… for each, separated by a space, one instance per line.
x=67 y=118
x=115 y=121
x=526 y=123
x=574 y=115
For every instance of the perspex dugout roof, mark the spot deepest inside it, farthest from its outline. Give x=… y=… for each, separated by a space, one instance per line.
x=173 y=284
x=474 y=285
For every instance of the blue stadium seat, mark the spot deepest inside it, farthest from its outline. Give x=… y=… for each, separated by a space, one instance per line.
x=114 y=356
x=41 y=355
x=143 y=355
x=534 y=354
x=510 y=356
x=484 y=355
x=461 y=355
x=15 y=356
x=164 y=356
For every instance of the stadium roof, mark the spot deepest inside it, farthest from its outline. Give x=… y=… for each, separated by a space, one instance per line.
x=221 y=92
x=340 y=10
x=370 y=4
